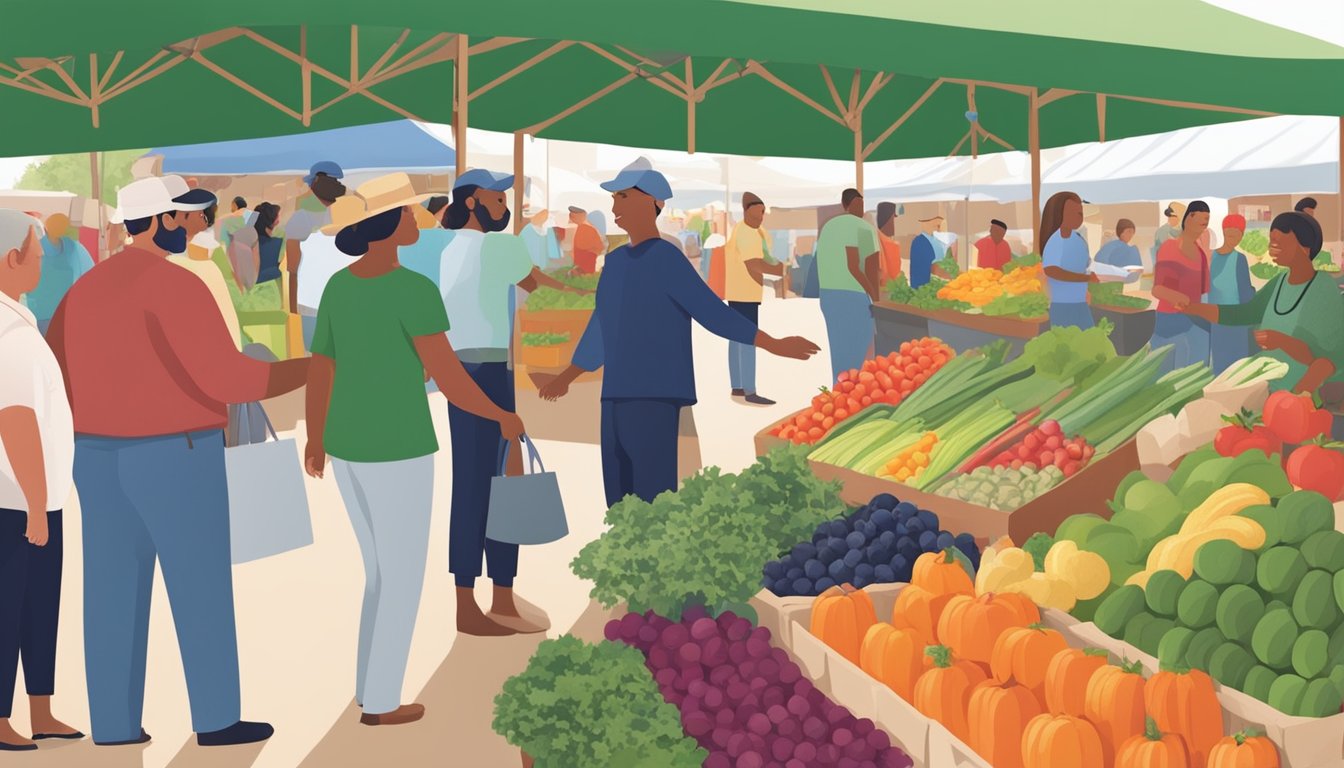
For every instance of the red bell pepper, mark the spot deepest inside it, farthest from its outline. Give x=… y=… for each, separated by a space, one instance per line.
x=1318 y=466
x=1295 y=418
x=1243 y=433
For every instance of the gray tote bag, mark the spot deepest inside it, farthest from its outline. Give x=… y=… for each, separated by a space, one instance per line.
x=526 y=509
x=268 y=503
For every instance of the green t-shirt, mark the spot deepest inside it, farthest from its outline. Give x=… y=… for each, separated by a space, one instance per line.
x=378 y=408
x=842 y=232
x=1313 y=313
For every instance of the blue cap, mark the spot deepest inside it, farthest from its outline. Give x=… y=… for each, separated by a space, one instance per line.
x=640 y=175
x=195 y=199
x=487 y=180
x=328 y=167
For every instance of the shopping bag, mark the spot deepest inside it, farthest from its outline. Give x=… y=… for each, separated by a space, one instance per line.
x=268 y=504
x=525 y=509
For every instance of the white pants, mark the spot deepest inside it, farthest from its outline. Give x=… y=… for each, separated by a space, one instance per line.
x=389 y=505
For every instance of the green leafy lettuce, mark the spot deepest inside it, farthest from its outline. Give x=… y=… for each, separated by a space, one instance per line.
x=1070 y=353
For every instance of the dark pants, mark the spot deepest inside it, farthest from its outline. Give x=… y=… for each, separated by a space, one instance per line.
x=639 y=448
x=30 y=602
x=742 y=357
x=476 y=444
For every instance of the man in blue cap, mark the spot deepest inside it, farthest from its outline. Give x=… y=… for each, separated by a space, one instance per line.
x=323 y=181
x=641 y=332
x=478 y=272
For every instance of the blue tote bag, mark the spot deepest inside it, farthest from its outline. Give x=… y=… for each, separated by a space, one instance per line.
x=525 y=509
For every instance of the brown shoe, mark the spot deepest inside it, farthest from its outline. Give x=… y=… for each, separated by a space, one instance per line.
x=406 y=713
x=519 y=624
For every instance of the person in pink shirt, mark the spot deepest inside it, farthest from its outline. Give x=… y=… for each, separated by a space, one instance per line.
x=1181 y=278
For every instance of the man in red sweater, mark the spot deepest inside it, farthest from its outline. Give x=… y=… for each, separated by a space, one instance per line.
x=150 y=368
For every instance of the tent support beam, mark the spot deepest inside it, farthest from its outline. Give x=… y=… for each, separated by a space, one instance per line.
x=1034 y=141
x=858 y=151
x=96 y=190
x=868 y=151
x=461 y=99
x=1195 y=105
x=984 y=134
x=518 y=181
x=691 y=101
x=879 y=82
x=1053 y=95
x=521 y=68
x=830 y=86
x=756 y=68
x=93 y=87
x=306 y=73
x=975 y=126
x=200 y=58
x=662 y=80
x=1018 y=89
x=536 y=130
x=1101 y=118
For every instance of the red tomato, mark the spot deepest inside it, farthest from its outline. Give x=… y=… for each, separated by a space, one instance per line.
x=912 y=370
x=1320 y=468
x=841 y=414
x=815 y=433
x=859 y=391
x=883 y=380
x=843 y=377
x=906 y=347
x=827 y=422
x=1295 y=418
x=846 y=386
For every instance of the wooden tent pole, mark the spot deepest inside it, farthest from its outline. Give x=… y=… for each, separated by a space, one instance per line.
x=461 y=101
x=96 y=189
x=858 y=154
x=1034 y=139
x=518 y=181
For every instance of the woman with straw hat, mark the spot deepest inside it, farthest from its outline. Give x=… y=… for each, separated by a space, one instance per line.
x=380 y=327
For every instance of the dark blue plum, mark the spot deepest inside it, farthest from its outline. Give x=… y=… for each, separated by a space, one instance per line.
x=837 y=543
x=774 y=570
x=804 y=552
x=909 y=549
x=884 y=501
x=870 y=530
x=824 y=583
x=838 y=529
x=853 y=557
x=864 y=571
x=794 y=573
x=884 y=574
x=860 y=582
x=813 y=569
x=846 y=575
x=906 y=510
x=855 y=540
x=827 y=554
x=915 y=527
x=876 y=553
x=966 y=543
x=887 y=539
x=928 y=541
x=884 y=520
x=836 y=568
x=901 y=530
x=783 y=588
x=862 y=513
x=945 y=540
x=929 y=520
x=820 y=537
x=802 y=586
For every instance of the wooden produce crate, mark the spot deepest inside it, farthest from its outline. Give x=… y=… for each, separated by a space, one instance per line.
x=895 y=324
x=571 y=321
x=963 y=332
x=549 y=356
x=1303 y=742
x=1087 y=491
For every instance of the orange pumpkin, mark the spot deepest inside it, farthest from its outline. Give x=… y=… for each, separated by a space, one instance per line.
x=920 y=609
x=997 y=715
x=1114 y=703
x=971 y=625
x=1023 y=654
x=1061 y=741
x=1027 y=611
x=1184 y=703
x=841 y=617
x=941 y=574
x=1067 y=677
x=895 y=657
x=1244 y=750
x=1152 y=750
x=944 y=692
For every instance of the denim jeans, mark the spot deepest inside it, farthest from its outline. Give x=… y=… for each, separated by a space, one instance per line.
x=849 y=328
x=742 y=357
x=1187 y=336
x=1077 y=315
x=476 y=443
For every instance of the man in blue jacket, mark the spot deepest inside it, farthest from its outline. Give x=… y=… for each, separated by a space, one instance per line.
x=641 y=332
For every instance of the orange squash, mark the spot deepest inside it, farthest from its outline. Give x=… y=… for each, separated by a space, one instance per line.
x=971 y=625
x=1067 y=677
x=1061 y=741
x=1153 y=749
x=1114 y=703
x=895 y=657
x=1023 y=654
x=997 y=715
x=1183 y=702
x=920 y=609
x=1244 y=750
x=941 y=574
x=1027 y=611
x=841 y=617
x=944 y=692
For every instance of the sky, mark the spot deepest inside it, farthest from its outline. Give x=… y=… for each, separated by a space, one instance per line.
x=1323 y=19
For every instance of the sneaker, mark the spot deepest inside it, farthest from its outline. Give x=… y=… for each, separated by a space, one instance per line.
x=241 y=732
x=144 y=739
x=406 y=713
x=758 y=400
x=739 y=393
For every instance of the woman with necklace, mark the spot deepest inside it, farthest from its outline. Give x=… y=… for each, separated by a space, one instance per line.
x=1180 y=280
x=1299 y=314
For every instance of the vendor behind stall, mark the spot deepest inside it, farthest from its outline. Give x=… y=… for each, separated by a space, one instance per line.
x=1066 y=261
x=1181 y=279
x=1229 y=283
x=1299 y=314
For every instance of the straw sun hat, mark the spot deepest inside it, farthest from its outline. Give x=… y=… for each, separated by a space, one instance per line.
x=371 y=198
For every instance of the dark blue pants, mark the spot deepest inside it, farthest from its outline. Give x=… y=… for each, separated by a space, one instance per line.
x=30 y=602
x=476 y=444
x=639 y=448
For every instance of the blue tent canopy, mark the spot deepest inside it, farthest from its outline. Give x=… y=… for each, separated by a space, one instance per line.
x=400 y=145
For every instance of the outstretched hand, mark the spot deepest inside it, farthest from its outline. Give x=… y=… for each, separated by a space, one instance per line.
x=792 y=347
x=554 y=389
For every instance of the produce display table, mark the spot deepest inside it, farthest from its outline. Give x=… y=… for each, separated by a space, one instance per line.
x=554 y=358
x=1133 y=327
x=898 y=323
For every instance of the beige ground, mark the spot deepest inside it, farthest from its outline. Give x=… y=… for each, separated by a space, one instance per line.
x=298 y=613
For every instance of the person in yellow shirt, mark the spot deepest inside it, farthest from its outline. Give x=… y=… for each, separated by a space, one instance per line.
x=200 y=243
x=746 y=261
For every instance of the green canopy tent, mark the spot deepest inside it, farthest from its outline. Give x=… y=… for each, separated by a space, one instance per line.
x=844 y=79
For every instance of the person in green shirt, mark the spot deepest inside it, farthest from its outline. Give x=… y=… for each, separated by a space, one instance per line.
x=1299 y=314
x=380 y=328
x=847 y=271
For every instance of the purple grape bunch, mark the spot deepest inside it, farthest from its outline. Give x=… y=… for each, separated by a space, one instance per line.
x=746 y=702
x=877 y=543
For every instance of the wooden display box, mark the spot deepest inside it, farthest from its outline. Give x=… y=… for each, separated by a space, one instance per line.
x=571 y=321
x=549 y=356
x=1087 y=491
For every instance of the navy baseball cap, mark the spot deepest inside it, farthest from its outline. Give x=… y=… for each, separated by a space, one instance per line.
x=640 y=175
x=195 y=199
x=328 y=167
x=487 y=180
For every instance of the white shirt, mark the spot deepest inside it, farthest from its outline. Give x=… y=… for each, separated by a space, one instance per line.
x=477 y=274
x=30 y=377
x=319 y=260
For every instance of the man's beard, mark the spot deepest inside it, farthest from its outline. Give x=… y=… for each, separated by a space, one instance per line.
x=171 y=240
x=490 y=224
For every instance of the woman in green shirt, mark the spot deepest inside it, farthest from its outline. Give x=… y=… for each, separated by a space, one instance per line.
x=380 y=327
x=1299 y=314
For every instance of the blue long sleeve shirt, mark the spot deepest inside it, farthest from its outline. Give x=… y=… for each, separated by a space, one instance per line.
x=641 y=330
